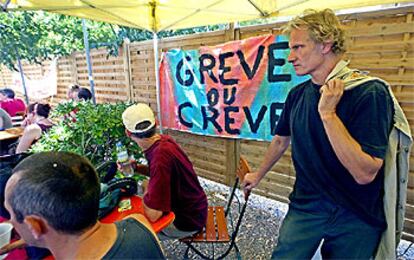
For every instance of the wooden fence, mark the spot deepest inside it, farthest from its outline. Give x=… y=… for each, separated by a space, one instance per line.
x=380 y=42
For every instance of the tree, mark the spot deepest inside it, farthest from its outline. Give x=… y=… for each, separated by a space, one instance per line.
x=36 y=36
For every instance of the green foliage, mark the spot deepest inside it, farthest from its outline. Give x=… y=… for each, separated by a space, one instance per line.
x=36 y=36
x=93 y=134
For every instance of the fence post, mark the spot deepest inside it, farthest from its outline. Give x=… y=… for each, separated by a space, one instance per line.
x=232 y=160
x=73 y=68
x=127 y=67
x=232 y=145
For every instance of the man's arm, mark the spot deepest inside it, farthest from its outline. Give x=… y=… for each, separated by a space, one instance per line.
x=275 y=150
x=141 y=168
x=152 y=214
x=362 y=166
x=31 y=133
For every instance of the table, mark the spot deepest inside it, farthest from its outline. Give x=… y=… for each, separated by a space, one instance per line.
x=131 y=205
x=14 y=132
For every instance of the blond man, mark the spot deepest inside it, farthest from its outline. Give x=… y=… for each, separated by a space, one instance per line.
x=339 y=140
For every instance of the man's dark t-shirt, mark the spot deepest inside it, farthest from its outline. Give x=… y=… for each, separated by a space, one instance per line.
x=174 y=186
x=366 y=111
x=134 y=241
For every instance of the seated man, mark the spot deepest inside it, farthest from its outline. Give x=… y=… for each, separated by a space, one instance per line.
x=173 y=184
x=9 y=103
x=53 y=201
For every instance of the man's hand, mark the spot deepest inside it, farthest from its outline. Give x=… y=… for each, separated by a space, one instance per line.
x=138 y=168
x=250 y=181
x=141 y=168
x=331 y=94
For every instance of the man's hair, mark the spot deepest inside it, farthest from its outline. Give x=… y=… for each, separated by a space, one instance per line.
x=61 y=187
x=8 y=92
x=85 y=94
x=323 y=26
x=147 y=134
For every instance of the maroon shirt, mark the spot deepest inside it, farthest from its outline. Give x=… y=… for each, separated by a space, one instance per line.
x=12 y=106
x=173 y=185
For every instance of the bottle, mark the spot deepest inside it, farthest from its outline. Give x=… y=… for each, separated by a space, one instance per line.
x=123 y=159
x=140 y=189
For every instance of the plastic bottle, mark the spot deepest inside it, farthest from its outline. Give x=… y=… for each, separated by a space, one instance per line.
x=140 y=189
x=123 y=159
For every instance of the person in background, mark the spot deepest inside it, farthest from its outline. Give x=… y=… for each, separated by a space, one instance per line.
x=5 y=123
x=53 y=201
x=5 y=120
x=9 y=103
x=173 y=184
x=339 y=140
x=73 y=91
x=84 y=94
x=36 y=123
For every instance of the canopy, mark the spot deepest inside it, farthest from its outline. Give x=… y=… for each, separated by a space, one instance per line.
x=158 y=15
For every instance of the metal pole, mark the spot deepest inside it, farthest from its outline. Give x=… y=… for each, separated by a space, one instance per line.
x=22 y=75
x=88 y=60
x=157 y=79
x=3 y=26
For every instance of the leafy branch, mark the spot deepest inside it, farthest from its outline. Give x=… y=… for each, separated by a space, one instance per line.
x=93 y=134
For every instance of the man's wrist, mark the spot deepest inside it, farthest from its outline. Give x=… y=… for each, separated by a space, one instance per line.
x=327 y=116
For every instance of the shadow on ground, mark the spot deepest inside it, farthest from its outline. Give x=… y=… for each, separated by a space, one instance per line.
x=258 y=232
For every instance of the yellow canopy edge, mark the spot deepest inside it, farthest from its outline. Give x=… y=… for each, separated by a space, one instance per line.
x=158 y=15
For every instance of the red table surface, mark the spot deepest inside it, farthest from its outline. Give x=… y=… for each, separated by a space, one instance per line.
x=137 y=207
x=19 y=254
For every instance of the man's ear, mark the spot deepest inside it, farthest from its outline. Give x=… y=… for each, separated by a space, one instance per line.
x=37 y=225
x=127 y=132
x=327 y=47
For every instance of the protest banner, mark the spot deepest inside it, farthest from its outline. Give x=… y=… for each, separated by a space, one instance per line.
x=236 y=89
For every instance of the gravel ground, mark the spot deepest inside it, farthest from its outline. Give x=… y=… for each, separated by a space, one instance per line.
x=259 y=230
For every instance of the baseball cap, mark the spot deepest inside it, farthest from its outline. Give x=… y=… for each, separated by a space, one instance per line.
x=138 y=118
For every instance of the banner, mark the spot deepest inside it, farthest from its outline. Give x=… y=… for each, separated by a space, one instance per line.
x=40 y=88
x=236 y=89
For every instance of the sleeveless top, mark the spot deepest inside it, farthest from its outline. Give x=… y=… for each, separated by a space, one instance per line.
x=44 y=128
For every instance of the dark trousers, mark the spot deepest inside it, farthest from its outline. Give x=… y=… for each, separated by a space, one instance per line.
x=345 y=235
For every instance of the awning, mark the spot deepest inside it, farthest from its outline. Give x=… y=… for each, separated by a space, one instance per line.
x=158 y=15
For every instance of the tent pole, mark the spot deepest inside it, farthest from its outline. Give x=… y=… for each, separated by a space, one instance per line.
x=88 y=60
x=157 y=79
x=19 y=63
x=22 y=75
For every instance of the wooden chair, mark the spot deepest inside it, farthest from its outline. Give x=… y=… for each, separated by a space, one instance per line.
x=216 y=230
